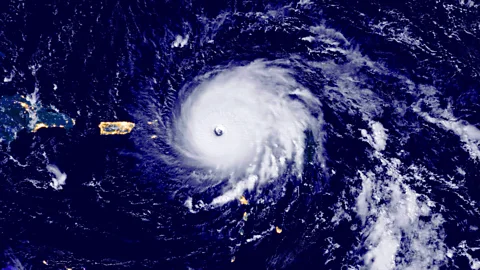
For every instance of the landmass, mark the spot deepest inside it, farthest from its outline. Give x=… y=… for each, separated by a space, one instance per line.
x=19 y=112
x=116 y=128
x=243 y=200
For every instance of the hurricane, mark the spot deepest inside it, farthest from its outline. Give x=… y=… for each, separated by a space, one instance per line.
x=245 y=125
x=144 y=134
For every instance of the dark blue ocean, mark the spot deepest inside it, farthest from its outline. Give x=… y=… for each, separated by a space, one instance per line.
x=395 y=186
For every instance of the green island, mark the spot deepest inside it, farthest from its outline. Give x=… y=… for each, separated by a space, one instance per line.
x=18 y=113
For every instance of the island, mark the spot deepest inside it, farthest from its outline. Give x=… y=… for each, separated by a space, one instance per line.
x=116 y=128
x=18 y=113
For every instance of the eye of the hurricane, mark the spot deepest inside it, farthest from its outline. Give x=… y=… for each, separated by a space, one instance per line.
x=219 y=130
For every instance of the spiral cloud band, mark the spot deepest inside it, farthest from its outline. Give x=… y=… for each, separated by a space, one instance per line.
x=246 y=124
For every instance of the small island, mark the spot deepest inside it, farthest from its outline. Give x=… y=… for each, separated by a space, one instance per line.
x=116 y=128
x=17 y=113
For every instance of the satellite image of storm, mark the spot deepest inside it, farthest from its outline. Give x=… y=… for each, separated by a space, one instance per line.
x=239 y=134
